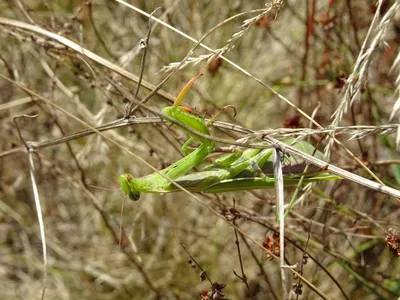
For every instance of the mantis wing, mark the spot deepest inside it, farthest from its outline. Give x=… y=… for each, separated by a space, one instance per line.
x=242 y=184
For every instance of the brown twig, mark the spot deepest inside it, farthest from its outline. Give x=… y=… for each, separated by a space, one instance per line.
x=243 y=277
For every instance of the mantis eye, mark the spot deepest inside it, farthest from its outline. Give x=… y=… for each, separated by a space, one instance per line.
x=134 y=196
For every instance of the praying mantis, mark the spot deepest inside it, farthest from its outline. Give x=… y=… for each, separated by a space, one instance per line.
x=240 y=170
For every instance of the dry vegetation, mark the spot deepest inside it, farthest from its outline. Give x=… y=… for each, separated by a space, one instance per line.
x=335 y=61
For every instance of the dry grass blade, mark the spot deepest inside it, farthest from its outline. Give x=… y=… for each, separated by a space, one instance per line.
x=35 y=191
x=40 y=219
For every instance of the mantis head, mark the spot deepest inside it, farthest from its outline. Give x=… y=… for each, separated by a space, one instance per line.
x=127 y=183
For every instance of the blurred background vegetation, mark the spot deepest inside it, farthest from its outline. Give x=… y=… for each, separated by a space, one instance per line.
x=339 y=236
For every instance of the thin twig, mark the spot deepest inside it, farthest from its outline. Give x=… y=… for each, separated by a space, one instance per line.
x=243 y=277
x=304 y=258
x=144 y=44
x=15 y=119
x=204 y=272
x=96 y=31
x=304 y=61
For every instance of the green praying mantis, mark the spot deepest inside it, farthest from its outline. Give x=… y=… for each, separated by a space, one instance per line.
x=238 y=171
